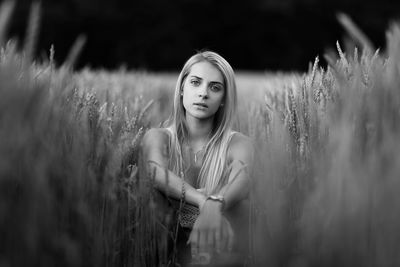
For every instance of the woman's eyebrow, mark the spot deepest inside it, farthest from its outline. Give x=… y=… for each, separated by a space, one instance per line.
x=213 y=82
x=197 y=77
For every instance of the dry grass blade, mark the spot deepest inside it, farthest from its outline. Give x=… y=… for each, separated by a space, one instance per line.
x=343 y=58
x=355 y=32
x=314 y=71
x=51 y=57
x=32 y=32
x=355 y=56
x=6 y=9
x=74 y=52
x=330 y=60
x=144 y=110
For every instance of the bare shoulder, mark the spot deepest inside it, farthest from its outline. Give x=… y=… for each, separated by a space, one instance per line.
x=156 y=138
x=241 y=148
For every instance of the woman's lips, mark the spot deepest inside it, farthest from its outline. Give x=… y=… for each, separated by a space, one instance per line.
x=201 y=105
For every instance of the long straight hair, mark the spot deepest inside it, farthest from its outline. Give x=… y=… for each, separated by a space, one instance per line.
x=213 y=173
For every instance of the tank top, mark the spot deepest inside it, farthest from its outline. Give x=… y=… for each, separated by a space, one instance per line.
x=189 y=213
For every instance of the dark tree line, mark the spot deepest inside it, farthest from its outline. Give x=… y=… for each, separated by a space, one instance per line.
x=161 y=34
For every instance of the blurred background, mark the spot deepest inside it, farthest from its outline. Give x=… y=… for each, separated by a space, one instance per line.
x=159 y=35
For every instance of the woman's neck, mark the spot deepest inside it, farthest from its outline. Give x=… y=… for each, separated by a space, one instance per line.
x=199 y=130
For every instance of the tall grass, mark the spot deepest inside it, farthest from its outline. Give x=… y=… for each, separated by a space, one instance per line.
x=67 y=164
x=351 y=218
x=73 y=191
x=63 y=158
x=328 y=174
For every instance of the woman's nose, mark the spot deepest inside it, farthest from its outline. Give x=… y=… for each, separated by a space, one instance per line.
x=203 y=92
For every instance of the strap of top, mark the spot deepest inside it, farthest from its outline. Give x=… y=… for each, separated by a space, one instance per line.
x=231 y=135
x=169 y=130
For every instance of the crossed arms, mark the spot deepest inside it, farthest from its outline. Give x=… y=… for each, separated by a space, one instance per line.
x=211 y=231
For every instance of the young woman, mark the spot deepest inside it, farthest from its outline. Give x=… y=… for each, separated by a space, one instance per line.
x=200 y=161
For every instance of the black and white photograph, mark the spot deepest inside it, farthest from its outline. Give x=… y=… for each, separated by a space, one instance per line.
x=195 y=133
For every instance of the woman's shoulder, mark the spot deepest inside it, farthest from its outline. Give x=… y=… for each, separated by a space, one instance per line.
x=240 y=147
x=238 y=138
x=159 y=132
x=156 y=137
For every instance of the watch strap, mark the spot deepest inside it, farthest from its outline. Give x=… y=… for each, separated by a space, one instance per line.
x=218 y=198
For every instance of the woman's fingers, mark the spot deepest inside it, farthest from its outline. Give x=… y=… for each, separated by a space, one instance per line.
x=230 y=236
x=210 y=239
x=207 y=240
x=218 y=241
x=227 y=236
x=194 y=242
x=224 y=237
x=203 y=241
x=211 y=231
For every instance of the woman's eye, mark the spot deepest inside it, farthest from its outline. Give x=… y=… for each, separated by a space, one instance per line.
x=195 y=82
x=215 y=88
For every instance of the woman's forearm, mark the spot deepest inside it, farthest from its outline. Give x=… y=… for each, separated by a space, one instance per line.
x=235 y=192
x=237 y=188
x=173 y=186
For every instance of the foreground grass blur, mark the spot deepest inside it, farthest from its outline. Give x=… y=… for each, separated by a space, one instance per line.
x=324 y=188
x=328 y=174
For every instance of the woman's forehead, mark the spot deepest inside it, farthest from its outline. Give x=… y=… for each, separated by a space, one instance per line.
x=206 y=71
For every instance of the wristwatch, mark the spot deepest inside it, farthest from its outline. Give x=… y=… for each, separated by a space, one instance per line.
x=218 y=198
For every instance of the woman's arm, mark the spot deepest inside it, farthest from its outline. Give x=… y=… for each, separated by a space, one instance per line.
x=241 y=156
x=211 y=229
x=155 y=152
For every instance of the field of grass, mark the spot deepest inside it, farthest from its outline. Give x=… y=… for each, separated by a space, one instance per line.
x=325 y=184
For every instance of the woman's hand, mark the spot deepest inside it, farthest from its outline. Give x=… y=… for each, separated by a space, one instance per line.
x=211 y=230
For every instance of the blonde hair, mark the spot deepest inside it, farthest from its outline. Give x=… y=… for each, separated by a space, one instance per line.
x=213 y=173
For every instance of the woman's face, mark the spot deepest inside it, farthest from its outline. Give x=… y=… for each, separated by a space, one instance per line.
x=203 y=91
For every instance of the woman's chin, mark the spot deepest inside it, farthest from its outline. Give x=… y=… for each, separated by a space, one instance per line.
x=201 y=115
